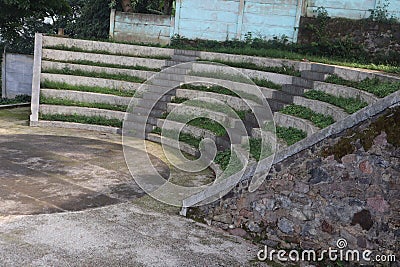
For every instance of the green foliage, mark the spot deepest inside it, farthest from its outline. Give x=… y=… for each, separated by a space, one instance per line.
x=183 y=137
x=290 y=135
x=97 y=120
x=381 y=13
x=350 y=105
x=267 y=84
x=256 y=145
x=375 y=86
x=18 y=99
x=67 y=102
x=104 y=75
x=318 y=119
x=94 y=89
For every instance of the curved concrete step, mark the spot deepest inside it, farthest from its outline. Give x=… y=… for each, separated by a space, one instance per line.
x=87 y=97
x=46 y=65
x=90 y=112
x=268 y=137
x=75 y=125
x=62 y=55
x=321 y=107
x=345 y=91
x=285 y=120
x=90 y=81
x=114 y=48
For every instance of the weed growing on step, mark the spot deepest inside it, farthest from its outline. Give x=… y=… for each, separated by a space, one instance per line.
x=375 y=86
x=82 y=88
x=290 y=135
x=67 y=102
x=318 y=119
x=97 y=120
x=224 y=157
x=266 y=84
x=103 y=75
x=183 y=137
x=350 y=105
x=256 y=145
x=106 y=65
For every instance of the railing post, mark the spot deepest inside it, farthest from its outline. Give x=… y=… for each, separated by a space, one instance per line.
x=37 y=69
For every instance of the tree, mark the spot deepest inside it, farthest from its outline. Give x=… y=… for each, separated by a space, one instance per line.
x=20 y=19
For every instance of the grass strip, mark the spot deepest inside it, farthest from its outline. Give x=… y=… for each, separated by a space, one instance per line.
x=374 y=86
x=97 y=120
x=350 y=105
x=104 y=52
x=106 y=65
x=17 y=100
x=183 y=137
x=104 y=75
x=67 y=102
x=290 y=135
x=317 y=119
x=255 y=148
x=248 y=65
x=82 y=88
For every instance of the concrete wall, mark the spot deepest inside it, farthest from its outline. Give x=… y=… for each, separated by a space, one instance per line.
x=353 y=9
x=142 y=28
x=222 y=20
x=16 y=75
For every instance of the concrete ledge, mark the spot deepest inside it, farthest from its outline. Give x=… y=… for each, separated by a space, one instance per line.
x=344 y=91
x=169 y=142
x=60 y=66
x=232 y=101
x=70 y=110
x=285 y=120
x=74 y=125
x=115 y=48
x=321 y=107
x=87 y=97
x=63 y=55
x=90 y=81
x=18 y=105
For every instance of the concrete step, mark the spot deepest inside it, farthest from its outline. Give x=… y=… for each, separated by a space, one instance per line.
x=276 y=105
x=313 y=75
x=154 y=96
x=138 y=119
x=293 y=89
x=181 y=71
x=323 y=68
x=171 y=76
x=184 y=58
x=166 y=83
x=193 y=53
x=306 y=83
x=162 y=105
x=235 y=135
x=157 y=89
x=132 y=128
x=141 y=111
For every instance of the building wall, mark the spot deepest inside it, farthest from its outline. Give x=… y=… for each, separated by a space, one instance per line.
x=17 y=72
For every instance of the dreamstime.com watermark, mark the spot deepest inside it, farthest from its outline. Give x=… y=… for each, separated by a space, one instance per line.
x=340 y=253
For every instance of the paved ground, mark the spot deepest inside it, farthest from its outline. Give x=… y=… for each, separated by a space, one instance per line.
x=57 y=172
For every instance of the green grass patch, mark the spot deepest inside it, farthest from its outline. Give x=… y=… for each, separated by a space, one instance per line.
x=66 y=102
x=266 y=83
x=248 y=65
x=104 y=75
x=106 y=65
x=17 y=100
x=256 y=145
x=350 y=105
x=375 y=86
x=179 y=100
x=82 y=88
x=183 y=137
x=227 y=158
x=317 y=119
x=290 y=135
x=104 y=52
x=97 y=120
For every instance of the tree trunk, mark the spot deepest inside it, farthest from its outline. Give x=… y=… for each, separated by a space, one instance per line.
x=127 y=6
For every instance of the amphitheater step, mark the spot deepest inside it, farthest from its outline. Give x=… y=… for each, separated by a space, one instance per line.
x=313 y=75
x=303 y=82
x=139 y=119
x=192 y=53
x=184 y=58
x=323 y=68
x=162 y=105
x=293 y=89
x=141 y=111
x=275 y=105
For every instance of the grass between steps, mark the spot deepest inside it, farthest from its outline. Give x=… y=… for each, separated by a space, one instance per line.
x=290 y=135
x=106 y=65
x=317 y=119
x=256 y=145
x=350 y=105
x=67 y=102
x=82 y=88
x=227 y=158
x=375 y=86
x=17 y=100
x=248 y=65
x=236 y=78
x=97 y=120
x=183 y=137
x=104 y=52
x=103 y=75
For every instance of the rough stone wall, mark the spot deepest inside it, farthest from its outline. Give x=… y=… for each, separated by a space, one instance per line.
x=374 y=37
x=343 y=187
